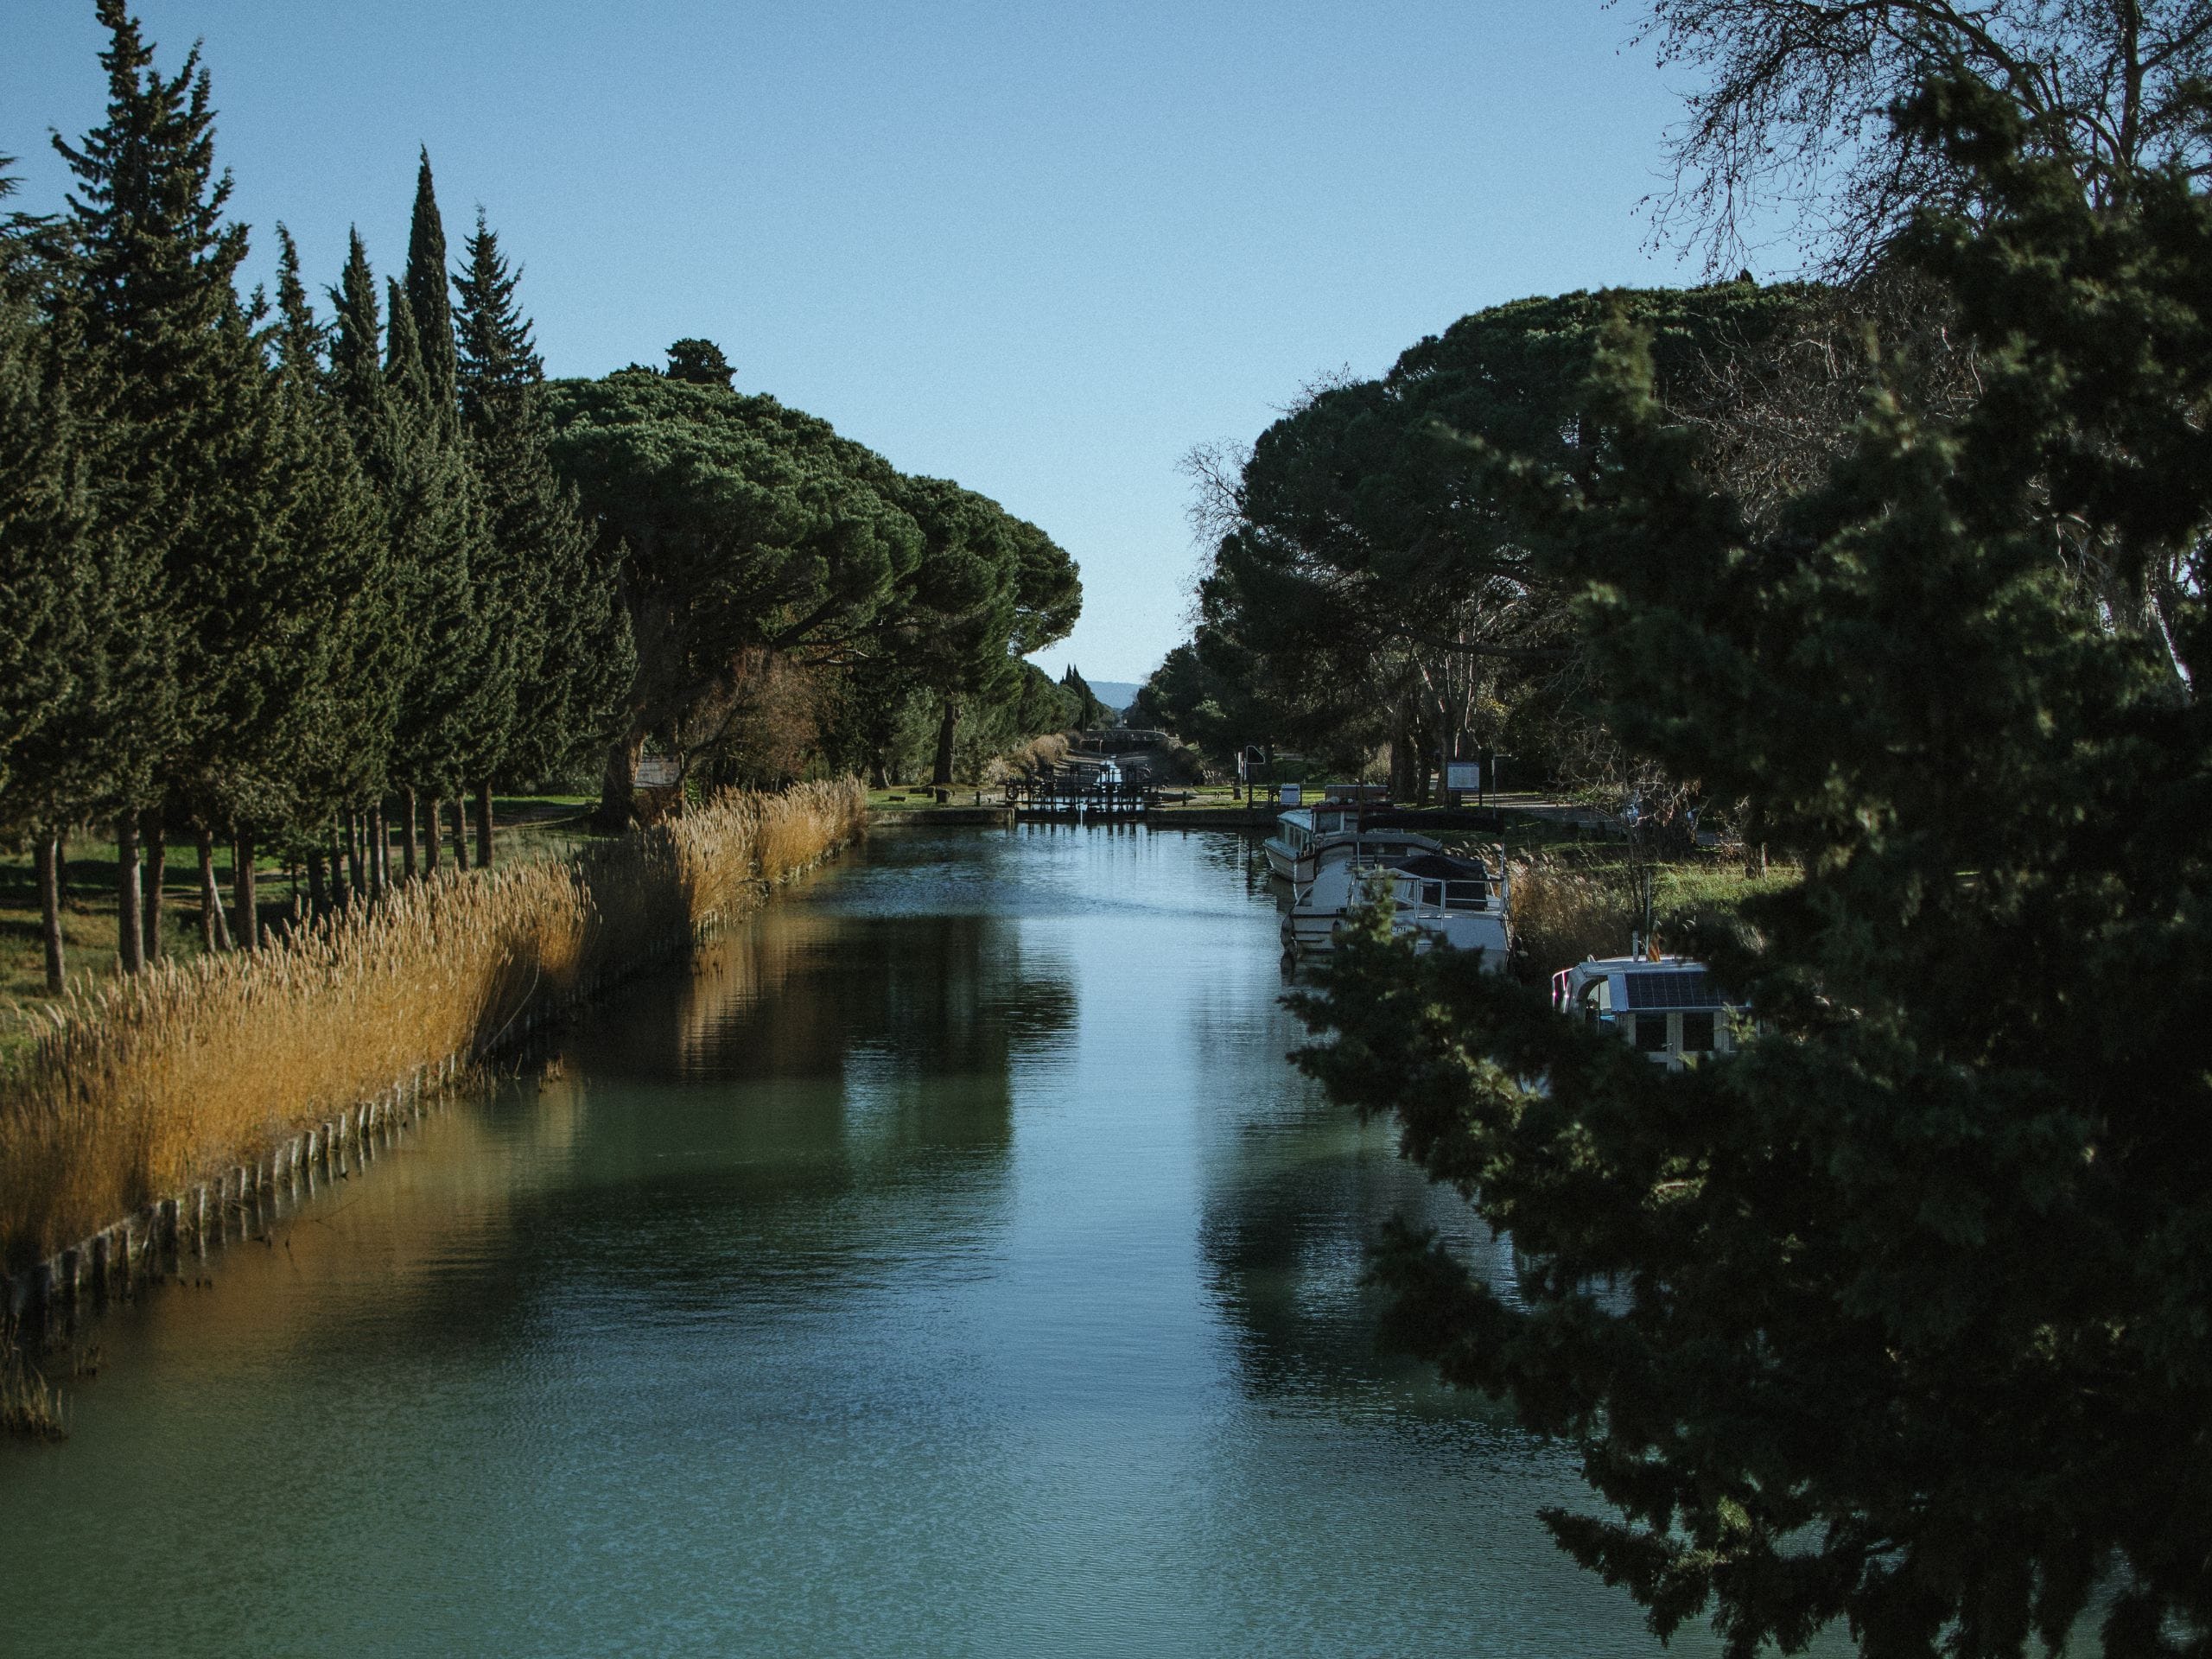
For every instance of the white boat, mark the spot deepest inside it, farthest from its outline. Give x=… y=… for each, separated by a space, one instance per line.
x=1443 y=901
x=1307 y=837
x=1666 y=1006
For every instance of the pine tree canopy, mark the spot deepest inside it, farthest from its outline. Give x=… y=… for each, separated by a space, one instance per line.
x=748 y=532
x=1359 y=568
x=1894 y=1319
x=700 y=362
x=744 y=525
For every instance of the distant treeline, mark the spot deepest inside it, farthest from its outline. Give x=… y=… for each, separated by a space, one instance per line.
x=296 y=581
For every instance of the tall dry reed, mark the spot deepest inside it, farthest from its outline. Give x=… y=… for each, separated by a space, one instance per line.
x=1561 y=914
x=140 y=1085
x=30 y=1407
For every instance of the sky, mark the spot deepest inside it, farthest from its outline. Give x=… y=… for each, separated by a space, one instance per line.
x=1043 y=250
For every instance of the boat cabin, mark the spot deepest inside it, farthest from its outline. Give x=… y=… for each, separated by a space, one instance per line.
x=1307 y=837
x=1440 y=882
x=1668 y=1009
x=1441 y=902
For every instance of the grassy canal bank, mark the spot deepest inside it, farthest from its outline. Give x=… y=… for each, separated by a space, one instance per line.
x=133 y=1088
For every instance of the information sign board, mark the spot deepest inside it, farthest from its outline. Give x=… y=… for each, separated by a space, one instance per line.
x=1464 y=774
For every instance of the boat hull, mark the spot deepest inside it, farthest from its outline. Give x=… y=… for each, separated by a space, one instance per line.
x=1314 y=933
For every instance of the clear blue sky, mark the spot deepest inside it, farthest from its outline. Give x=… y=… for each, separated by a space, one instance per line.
x=1041 y=249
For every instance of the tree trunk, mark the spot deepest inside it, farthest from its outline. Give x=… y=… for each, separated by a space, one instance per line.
x=460 y=834
x=48 y=861
x=407 y=844
x=618 y=789
x=483 y=826
x=380 y=850
x=157 y=870
x=318 y=890
x=941 y=774
x=215 y=931
x=130 y=912
x=332 y=833
x=245 y=898
x=436 y=833
x=353 y=877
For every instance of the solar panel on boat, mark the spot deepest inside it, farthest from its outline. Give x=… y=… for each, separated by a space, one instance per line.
x=1686 y=988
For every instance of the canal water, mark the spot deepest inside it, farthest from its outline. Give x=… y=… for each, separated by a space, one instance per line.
x=946 y=1263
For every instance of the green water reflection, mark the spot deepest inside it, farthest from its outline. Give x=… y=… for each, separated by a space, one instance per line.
x=947 y=1263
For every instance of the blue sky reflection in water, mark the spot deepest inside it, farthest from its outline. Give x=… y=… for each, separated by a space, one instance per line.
x=948 y=1262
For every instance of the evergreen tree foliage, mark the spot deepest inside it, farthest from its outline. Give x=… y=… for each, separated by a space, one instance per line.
x=744 y=528
x=67 y=661
x=456 y=703
x=568 y=633
x=1364 y=588
x=168 y=373
x=340 y=698
x=1213 y=713
x=1089 y=712
x=427 y=300
x=754 y=541
x=700 y=362
x=1896 y=1317
x=485 y=644
x=259 y=571
x=958 y=608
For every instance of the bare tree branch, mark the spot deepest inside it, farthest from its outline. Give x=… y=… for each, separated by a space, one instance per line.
x=1789 y=118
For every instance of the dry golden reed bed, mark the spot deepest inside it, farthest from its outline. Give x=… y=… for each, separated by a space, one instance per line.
x=1560 y=914
x=139 y=1086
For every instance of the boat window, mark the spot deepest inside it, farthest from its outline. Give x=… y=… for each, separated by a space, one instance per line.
x=1432 y=893
x=1466 y=895
x=1651 y=1033
x=1697 y=1034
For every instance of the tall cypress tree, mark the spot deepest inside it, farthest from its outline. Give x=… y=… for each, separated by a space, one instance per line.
x=428 y=298
x=59 y=667
x=169 y=366
x=571 y=636
x=479 y=723
x=450 y=711
x=342 y=700
x=427 y=615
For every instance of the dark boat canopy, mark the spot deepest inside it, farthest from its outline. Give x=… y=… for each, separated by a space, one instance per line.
x=1441 y=867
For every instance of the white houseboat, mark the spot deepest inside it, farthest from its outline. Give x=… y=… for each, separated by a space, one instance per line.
x=1307 y=837
x=1667 y=1007
x=1443 y=901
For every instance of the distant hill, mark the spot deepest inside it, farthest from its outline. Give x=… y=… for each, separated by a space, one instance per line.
x=1116 y=694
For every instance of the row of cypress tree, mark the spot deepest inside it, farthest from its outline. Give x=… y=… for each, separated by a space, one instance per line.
x=268 y=580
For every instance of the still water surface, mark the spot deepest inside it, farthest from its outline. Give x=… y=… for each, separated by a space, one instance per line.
x=948 y=1262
